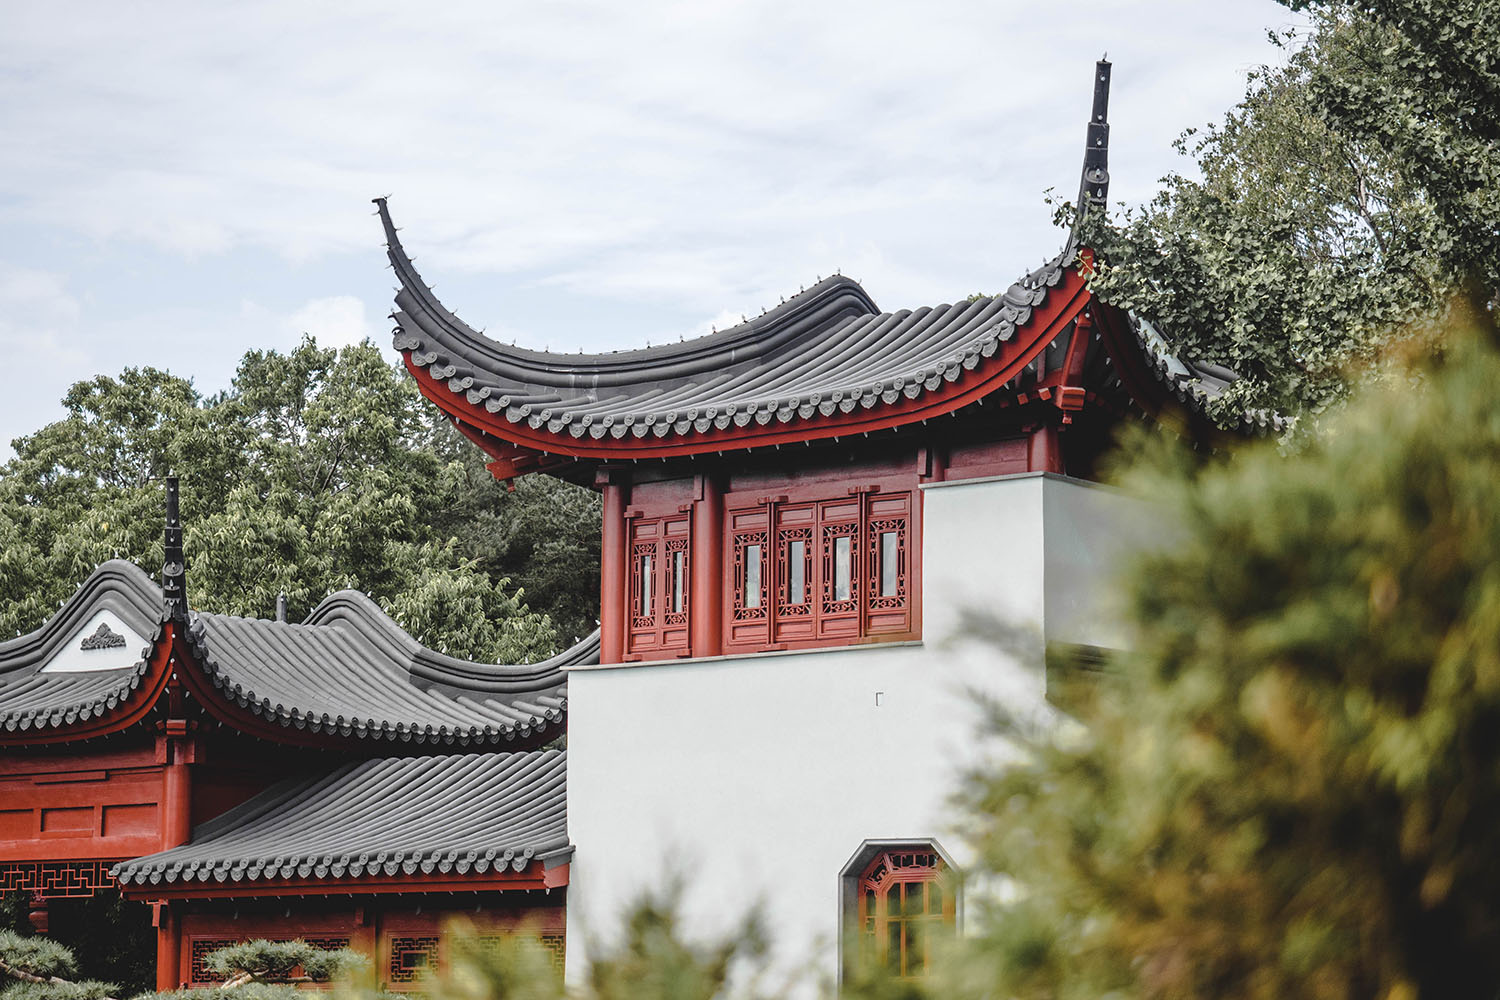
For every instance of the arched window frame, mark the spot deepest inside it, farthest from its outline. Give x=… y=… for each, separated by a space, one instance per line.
x=869 y=877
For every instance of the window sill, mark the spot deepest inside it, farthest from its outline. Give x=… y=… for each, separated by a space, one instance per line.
x=681 y=661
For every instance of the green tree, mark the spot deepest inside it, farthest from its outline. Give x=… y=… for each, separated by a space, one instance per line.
x=316 y=470
x=40 y=968
x=1289 y=787
x=1350 y=193
x=1431 y=101
x=539 y=532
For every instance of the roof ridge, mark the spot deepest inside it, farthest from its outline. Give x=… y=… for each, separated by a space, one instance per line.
x=835 y=295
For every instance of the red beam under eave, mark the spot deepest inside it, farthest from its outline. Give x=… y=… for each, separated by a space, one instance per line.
x=1063 y=303
x=136 y=706
x=534 y=877
x=1145 y=388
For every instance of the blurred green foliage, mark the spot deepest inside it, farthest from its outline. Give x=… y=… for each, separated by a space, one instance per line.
x=1290 y=786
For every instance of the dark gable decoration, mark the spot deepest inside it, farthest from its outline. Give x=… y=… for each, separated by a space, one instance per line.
x=104 y=637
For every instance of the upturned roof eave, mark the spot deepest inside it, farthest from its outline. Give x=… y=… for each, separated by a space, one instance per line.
x=958 y=383
x=695 y=355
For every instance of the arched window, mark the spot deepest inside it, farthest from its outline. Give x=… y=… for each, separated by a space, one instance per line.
x=899 y=898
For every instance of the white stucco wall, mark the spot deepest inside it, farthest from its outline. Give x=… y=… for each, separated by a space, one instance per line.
x=757 y=777
x=1092 y=531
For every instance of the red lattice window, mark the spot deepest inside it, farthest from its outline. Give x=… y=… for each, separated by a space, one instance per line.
x=660 y=586
x=748 y=596
x=888 y=555
x=412 y=958
x=819 y=572
x=199 y=974
x=201 y=947
x=906 y=903
x=553 y=944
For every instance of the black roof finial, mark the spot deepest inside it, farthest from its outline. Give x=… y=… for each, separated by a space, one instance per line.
x=174 y=567
x=281 y=606
x=1093 y=188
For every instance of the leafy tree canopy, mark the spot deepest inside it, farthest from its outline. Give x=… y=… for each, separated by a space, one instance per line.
x=1351 y=192
x=316 y=470
x=1288 y=787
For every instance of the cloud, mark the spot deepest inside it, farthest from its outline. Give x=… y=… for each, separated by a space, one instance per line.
x=336 y=321
x=575 y=174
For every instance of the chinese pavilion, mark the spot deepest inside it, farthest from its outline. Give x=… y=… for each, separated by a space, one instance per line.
x=233 y=771
x=808 y=520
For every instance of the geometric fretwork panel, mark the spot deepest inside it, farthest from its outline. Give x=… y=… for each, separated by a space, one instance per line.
x=551 y=943
x=412 y=958
x=554 y=945
x=56 y=879
x=200 y=974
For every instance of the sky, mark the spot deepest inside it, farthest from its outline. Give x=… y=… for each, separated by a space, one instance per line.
x=183 y=182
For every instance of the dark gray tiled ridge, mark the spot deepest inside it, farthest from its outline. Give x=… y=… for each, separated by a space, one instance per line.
x=351 y=671
x=454 y=814
x=31 y=700
x=1196 y=384
x=823 y=351
x=348 y=670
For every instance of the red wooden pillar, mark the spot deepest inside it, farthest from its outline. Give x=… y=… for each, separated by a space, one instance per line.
x=177 y=784
x=168 y=946
x=365 y=939
x=613 y=595
x=1044 y=453
x=706 y=629
x=176 y=752
x=38 y=913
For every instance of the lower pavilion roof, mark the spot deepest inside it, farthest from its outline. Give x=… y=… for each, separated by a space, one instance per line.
x=458 y=815
x=348 y=671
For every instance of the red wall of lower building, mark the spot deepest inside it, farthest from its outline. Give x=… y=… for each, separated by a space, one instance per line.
x=402 y=935
x=80 y=803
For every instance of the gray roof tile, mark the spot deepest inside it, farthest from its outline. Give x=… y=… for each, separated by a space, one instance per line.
x=460 y=813
x=348 y=670
x=824 y=350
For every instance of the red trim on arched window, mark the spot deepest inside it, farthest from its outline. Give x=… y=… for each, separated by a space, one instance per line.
x=906 y=901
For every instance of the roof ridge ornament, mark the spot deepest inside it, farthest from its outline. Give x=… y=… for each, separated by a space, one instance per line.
x=1093 y=186
x=174 y=566
x=104 y=637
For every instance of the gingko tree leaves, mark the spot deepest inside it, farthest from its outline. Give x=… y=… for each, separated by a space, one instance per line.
x=1352 y=192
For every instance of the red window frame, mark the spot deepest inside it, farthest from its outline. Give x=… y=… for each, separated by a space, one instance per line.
x=659 y=602
x=768 y=617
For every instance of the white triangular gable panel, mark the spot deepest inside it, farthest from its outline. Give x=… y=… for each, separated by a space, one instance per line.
x=98 y=646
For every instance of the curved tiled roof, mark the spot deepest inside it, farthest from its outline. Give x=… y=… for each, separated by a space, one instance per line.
x=347 y=671
x=32 y=700
x=1195 y=384
x=826 y=350
x=459 y=813
x=351 y=671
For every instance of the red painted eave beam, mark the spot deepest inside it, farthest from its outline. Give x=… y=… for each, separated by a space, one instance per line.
x=534 y=877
